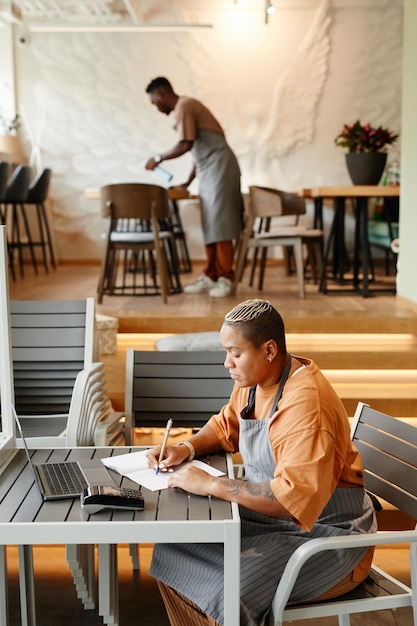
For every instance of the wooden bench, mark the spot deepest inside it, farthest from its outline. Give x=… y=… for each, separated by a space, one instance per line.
x=388 y=448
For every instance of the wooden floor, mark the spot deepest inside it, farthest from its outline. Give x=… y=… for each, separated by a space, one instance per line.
x=140 y=603
x=345 y=311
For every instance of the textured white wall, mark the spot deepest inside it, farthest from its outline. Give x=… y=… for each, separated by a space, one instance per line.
x=282 y=92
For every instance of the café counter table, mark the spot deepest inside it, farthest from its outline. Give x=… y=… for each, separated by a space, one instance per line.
x=170 y=516
x=360 y=195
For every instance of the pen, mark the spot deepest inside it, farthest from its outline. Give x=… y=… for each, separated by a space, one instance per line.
x=164 y=443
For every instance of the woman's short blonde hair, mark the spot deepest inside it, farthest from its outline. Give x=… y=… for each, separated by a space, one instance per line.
x=258 y=321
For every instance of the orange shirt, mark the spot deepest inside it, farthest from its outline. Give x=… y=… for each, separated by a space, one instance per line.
x=192 y=116
x=310 y=439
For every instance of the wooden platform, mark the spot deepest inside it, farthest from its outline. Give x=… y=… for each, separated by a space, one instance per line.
x=367 y=346
x=345 y=312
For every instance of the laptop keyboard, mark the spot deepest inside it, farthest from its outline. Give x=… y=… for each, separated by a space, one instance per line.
x=64 y=478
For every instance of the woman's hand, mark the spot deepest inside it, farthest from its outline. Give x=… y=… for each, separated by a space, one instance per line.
x=192 y=479
x=174 y=455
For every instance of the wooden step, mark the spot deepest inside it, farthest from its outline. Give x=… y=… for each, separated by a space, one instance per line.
x=328 y=350
x=355 y=350
x=320 y=321
x=391 y=389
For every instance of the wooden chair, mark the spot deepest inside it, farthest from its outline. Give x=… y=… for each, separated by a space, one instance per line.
x=261 y=232
x=388 y=448
x=140 y=226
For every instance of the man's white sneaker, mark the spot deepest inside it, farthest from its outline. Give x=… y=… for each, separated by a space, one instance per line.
x=203 y=284
x=222 y=288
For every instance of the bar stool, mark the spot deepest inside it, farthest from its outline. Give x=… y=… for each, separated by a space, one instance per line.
x=15 y=196
x=4 y=177
x=38 y=192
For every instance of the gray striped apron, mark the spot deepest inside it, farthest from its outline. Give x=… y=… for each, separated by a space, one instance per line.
x=218 y=187
x=266 y=545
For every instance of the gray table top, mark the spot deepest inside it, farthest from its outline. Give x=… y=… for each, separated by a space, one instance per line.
x=21 y=502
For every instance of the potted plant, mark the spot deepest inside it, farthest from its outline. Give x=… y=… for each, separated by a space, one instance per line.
x=366 y=156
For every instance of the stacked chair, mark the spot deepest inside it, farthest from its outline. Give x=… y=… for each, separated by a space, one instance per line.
x=61 y=399
x=55 y=369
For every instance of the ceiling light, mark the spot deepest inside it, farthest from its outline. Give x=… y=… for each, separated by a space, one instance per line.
x=157 y=28
x=269 y=9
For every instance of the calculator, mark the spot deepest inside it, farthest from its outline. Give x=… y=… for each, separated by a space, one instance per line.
x=97 y=497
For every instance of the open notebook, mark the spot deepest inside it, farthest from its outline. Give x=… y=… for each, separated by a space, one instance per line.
x=134 y=465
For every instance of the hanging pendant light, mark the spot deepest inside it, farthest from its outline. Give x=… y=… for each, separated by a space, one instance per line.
x=269 y=9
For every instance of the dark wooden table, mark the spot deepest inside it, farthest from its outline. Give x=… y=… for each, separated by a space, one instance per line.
x=360 y=194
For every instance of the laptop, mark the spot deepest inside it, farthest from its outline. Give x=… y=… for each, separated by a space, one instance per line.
x=65 y=479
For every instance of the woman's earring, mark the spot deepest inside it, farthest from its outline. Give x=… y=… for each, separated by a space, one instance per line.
x=270 y=359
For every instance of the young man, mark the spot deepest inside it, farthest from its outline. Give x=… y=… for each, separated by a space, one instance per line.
x=218 y=175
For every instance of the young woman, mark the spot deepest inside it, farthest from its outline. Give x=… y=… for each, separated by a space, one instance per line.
x=303 y=479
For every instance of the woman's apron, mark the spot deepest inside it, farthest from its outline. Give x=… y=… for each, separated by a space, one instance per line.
x=196 y=570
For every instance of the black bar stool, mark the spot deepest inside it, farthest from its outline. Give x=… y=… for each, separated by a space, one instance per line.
x=4 y=177
x=15 y=196
x=38 y=192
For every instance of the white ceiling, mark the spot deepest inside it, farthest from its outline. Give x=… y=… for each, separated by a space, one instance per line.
x=51 y=14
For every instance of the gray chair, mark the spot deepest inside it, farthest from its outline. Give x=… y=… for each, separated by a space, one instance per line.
x=61 y=398
x=59 y=385
x=52 y=341
x=388 y=450
x=188 y=386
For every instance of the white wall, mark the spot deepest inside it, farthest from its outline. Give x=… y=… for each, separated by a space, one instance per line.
x=7 y=82
x=406 y=281
x=282 y=92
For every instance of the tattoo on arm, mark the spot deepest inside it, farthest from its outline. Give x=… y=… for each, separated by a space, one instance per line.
x=236 y=487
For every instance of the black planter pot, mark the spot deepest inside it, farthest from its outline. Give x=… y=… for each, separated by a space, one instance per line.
x=366 y=168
